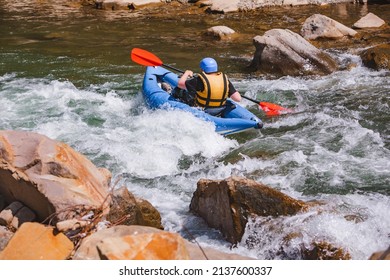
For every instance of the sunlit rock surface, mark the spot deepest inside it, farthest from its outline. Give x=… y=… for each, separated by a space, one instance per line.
x=283 y=52
x=34 y=241
x=49 y=177
x=320 y=26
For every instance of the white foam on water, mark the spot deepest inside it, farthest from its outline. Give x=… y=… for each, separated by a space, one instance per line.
x=153 y=143
x=357 y=224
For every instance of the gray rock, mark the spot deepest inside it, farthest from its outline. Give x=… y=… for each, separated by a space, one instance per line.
x=369 y=21
x=220 y=31
x=5 y=236
x=320 y=26
x=282 y=52
x=7 y=215
x=22 y=216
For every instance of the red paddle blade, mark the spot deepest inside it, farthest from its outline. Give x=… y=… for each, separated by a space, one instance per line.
x=145 y=58
x=271 y=109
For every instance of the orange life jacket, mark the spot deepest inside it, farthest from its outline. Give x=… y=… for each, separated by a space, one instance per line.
x=215 y=92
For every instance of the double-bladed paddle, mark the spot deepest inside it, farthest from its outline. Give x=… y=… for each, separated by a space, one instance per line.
x=146 y=58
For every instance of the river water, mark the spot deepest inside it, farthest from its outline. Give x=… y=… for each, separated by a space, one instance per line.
x=65 y=72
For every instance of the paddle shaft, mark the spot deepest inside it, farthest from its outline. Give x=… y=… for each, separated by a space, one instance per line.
x=250 y=99
x=173 y=68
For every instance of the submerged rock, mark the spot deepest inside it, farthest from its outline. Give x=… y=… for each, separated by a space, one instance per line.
x=220 y=32
x=325 y=251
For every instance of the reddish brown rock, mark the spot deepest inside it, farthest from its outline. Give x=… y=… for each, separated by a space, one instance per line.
x=49 y=177
x=88 y=249
x=35 y=241
x=227 y=204
x=147 y=246
x=129 y=210
x=377 y=57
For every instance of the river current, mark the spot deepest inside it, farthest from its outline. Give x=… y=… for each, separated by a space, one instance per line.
x=65 y=72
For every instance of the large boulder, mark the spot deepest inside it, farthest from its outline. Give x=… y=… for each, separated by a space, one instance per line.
x=228 y=204
x=49 y=177
x=320 y=26
x=282 y=52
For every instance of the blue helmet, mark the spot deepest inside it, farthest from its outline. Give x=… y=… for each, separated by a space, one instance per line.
x=209 y=65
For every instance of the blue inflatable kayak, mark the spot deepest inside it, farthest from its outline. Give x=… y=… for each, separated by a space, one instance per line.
x=235 y=119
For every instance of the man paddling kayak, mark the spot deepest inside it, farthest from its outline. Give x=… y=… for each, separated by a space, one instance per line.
x=210 y=89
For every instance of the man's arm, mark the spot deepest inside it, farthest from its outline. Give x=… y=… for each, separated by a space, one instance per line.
x=233 y=93
x=182 y=81
x=236 y=96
